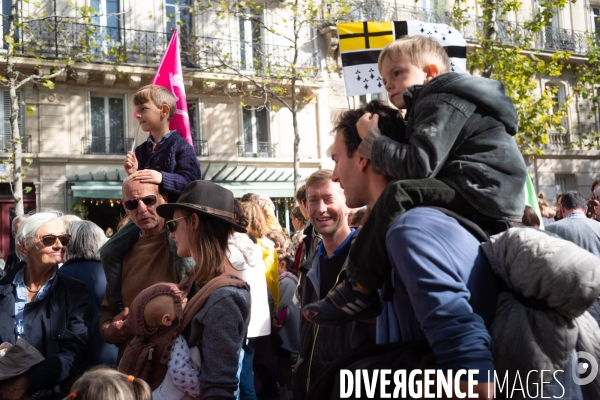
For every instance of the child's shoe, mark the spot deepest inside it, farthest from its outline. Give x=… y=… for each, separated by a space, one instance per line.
x=345 y=303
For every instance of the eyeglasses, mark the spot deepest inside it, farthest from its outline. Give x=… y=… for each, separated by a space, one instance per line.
x=172 y=224
x=133 y=203
x=49 y=240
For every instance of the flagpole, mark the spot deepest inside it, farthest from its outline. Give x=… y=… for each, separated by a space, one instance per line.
x=135 y=138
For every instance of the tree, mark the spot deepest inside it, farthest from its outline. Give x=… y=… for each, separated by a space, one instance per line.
x=506 y=51
x=587 y=77
x=22 y=44
x=502 y=50
x=283 y=78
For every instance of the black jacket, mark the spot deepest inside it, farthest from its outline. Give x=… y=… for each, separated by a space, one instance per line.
x=91 y=273
x=460 y=130
x=319 y=345
x=58 y=326
x=175 y=159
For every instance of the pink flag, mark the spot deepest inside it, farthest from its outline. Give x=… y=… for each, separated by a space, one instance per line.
x=169 y=75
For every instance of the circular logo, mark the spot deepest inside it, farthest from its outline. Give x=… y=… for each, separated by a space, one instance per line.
x=585 y=369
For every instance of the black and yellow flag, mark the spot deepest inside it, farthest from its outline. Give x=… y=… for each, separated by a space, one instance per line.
x=361 y=43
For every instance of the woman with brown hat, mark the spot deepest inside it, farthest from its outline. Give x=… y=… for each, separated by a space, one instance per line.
x=200 y=223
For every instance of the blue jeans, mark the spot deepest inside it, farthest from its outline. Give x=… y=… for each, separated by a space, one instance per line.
x=246 y=373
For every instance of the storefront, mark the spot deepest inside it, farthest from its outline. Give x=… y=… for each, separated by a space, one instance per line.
x=99 y=200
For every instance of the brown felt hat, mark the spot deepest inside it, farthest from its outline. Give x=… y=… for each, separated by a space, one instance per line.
x=207 y=198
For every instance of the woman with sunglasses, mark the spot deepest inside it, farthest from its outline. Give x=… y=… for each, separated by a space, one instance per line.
x=50 y=311
x=201 y=223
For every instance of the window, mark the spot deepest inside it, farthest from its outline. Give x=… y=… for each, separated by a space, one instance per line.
x=565 y=182
x=5 y=14
x=255 y=135
x=179 y=16
x=107 y=126
x=6 y=134
x=108 y=17
x=558 y=98
x=433 y=4
x=366 y=98
x=250 y=41
x=194 y=112
x=596 y=19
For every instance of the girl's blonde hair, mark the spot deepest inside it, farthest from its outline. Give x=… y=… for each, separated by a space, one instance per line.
x=257 y=224
x=421 y=50
x=109 y=384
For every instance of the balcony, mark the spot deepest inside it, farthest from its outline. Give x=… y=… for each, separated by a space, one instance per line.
x=6 y=145
x=510 y=33
x=56 y=37
x=257 y=149
x=106 y=145
x=201 y=148
x=558 y=139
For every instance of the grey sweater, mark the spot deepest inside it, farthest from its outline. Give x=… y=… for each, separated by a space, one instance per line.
x=220 y=326
x=584 y=232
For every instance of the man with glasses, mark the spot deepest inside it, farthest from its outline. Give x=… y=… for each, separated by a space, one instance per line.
x=149 y=261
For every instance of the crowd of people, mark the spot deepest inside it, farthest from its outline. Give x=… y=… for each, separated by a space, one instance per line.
x=415 y=251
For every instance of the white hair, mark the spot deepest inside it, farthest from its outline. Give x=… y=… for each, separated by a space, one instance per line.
x=18 y=219
x=68 y=218
x=31 y=225
x=86 y=240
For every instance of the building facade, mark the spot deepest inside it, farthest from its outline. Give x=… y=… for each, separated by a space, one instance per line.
x=79 y=132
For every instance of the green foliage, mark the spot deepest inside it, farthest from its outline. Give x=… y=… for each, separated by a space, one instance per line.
x=80 y=209
x=519 y=67
x=587 y=77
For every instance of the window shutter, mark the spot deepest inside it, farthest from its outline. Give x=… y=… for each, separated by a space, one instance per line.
x=6 y=114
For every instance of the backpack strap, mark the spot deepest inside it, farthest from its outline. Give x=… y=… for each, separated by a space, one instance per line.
x=196 y=303
x=470 y=226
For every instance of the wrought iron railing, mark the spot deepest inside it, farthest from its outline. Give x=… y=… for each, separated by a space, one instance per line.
x=108 y=145
x=57 y=37
x=201 y=147
x=257 y=149
x=6 y=143
x=508 y=32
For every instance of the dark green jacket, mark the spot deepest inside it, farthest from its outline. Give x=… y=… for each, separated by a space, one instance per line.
x=460 y=128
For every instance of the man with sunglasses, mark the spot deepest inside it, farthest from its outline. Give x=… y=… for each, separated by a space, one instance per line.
x=149 y=261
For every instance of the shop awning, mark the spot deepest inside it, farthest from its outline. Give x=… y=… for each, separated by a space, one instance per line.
x=97 y=190
x=239 y=178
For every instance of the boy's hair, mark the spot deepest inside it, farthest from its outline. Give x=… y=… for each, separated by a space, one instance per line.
x=159 y=95
x=107 y=383
x=284 y=257
x=296 y=213
x=358 y=217
x=530 y=217
x=301 y=194
x=278 y=236
x=391 y=124
x=421 y=50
